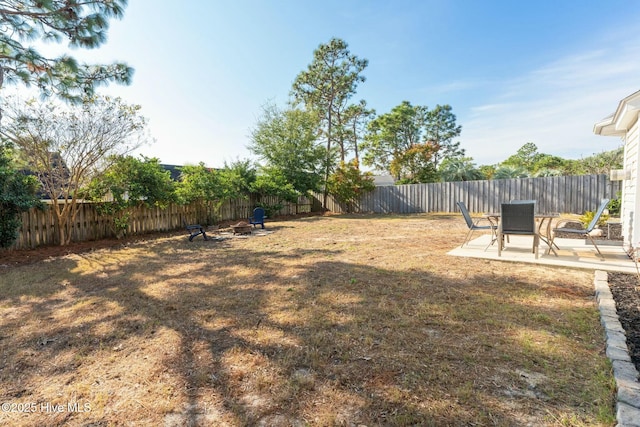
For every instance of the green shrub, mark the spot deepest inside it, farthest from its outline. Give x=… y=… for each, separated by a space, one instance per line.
x=588 y=217
x=614 y=205
x=270 y=211
x=18 y=193
x=347 y=184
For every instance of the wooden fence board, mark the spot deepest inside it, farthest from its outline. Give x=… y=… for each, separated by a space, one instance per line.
x=564 y=194
x=38 y=225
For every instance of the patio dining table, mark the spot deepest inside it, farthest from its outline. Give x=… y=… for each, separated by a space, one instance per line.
x=544 y=221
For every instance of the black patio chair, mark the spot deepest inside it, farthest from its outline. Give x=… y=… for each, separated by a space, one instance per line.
x=586 y=232
x=194 y=230
x=518 y=219
x=474 y=225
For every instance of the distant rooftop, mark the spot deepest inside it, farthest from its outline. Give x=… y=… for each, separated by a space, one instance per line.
x=382 y=180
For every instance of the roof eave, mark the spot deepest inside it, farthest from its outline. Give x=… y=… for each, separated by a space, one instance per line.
x=619 y=122
x=607 y=127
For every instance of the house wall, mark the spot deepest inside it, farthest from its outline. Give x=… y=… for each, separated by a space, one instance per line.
x=630 y=188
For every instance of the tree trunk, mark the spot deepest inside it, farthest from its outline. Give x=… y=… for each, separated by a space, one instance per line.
x=355 y=142
x=325 y=194
x=1 y=82
x=64 y=220
x=328 y=166
x=73 y=206
x=59 y=222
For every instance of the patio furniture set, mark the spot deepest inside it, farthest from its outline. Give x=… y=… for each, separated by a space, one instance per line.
x=519 y=217
x=257 y=218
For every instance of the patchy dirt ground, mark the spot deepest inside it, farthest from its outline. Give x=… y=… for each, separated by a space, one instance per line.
x=10 y=258
x=29 y=256
x=624 y=287
x=350 y=320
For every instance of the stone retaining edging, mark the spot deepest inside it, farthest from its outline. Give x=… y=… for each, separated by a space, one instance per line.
x=624 y=371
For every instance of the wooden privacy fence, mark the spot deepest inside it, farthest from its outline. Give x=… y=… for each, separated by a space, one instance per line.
x=563 y=194
x=39 y=229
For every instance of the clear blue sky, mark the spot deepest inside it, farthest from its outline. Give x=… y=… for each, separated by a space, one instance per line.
x=513 y=71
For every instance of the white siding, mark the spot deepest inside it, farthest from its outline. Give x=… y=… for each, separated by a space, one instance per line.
x=630 y=197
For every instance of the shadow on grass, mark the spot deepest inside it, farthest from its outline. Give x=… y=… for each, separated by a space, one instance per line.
x=385 y=217
x=288 y=337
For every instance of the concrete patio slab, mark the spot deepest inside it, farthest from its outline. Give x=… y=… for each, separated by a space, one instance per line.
x=574 y=253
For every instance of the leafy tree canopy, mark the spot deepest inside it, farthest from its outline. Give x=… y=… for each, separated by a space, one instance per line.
x=602 y=163
x=329 y=81
x=271 y=181
x=237 y=178
x=391 y=135
x=80 y=23
x=348 y=183
x=353 y=126
x=535 y=163
x=415 y=165
x=67 y=146
x=548 y=162
x=215 y=186
x=440 y=129
x=199 y=183
x=287 y=140
x=540 y=164
x=459 y=169
x=487 y=171
x=131 y=181
x=409 y=141
x=509 y=171
x=546 y=172
x=525 y=158
x=17 y=194
x=325 y=88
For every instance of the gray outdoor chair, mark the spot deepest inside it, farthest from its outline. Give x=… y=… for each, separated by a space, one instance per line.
x=518 y=219
x=474 y=225
x=194 y=230
x=586 y=232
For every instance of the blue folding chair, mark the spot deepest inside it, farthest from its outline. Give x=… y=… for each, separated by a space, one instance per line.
x=258 y=217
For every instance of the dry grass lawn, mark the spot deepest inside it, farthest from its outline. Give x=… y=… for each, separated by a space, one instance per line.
x=335 y=320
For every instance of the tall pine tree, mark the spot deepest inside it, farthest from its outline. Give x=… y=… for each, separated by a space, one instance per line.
x=82 y=23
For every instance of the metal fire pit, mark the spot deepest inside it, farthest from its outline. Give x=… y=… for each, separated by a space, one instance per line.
x=241 y=228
